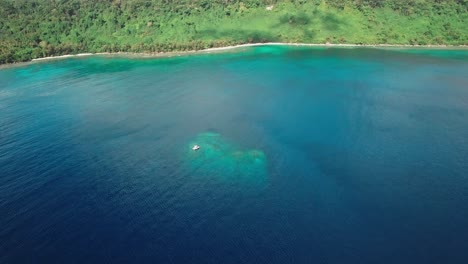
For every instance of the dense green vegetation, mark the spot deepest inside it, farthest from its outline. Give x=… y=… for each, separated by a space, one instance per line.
x=37 y=28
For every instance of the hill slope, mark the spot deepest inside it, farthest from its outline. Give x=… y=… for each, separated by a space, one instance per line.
x=38 y=28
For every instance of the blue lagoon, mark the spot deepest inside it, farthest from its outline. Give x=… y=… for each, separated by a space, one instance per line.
x=307 y=155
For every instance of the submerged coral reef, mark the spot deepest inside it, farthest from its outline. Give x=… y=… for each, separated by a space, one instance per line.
x=220 y=158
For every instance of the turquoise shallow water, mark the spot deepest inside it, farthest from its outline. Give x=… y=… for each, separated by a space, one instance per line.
x=308 y=155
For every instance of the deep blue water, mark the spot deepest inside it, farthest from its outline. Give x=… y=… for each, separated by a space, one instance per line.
x=321 y=156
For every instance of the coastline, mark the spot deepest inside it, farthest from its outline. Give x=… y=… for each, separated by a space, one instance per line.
x=227 y=48
x=233 y=47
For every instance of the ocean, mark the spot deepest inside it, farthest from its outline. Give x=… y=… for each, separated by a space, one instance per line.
x=307 y=155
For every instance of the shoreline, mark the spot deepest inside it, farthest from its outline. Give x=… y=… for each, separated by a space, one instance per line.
x=233 y=47
x=227 y=48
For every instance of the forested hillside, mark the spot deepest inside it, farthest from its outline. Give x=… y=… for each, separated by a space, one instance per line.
x=37 y=28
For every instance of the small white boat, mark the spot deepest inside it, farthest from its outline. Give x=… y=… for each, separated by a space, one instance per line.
x=196 y=147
